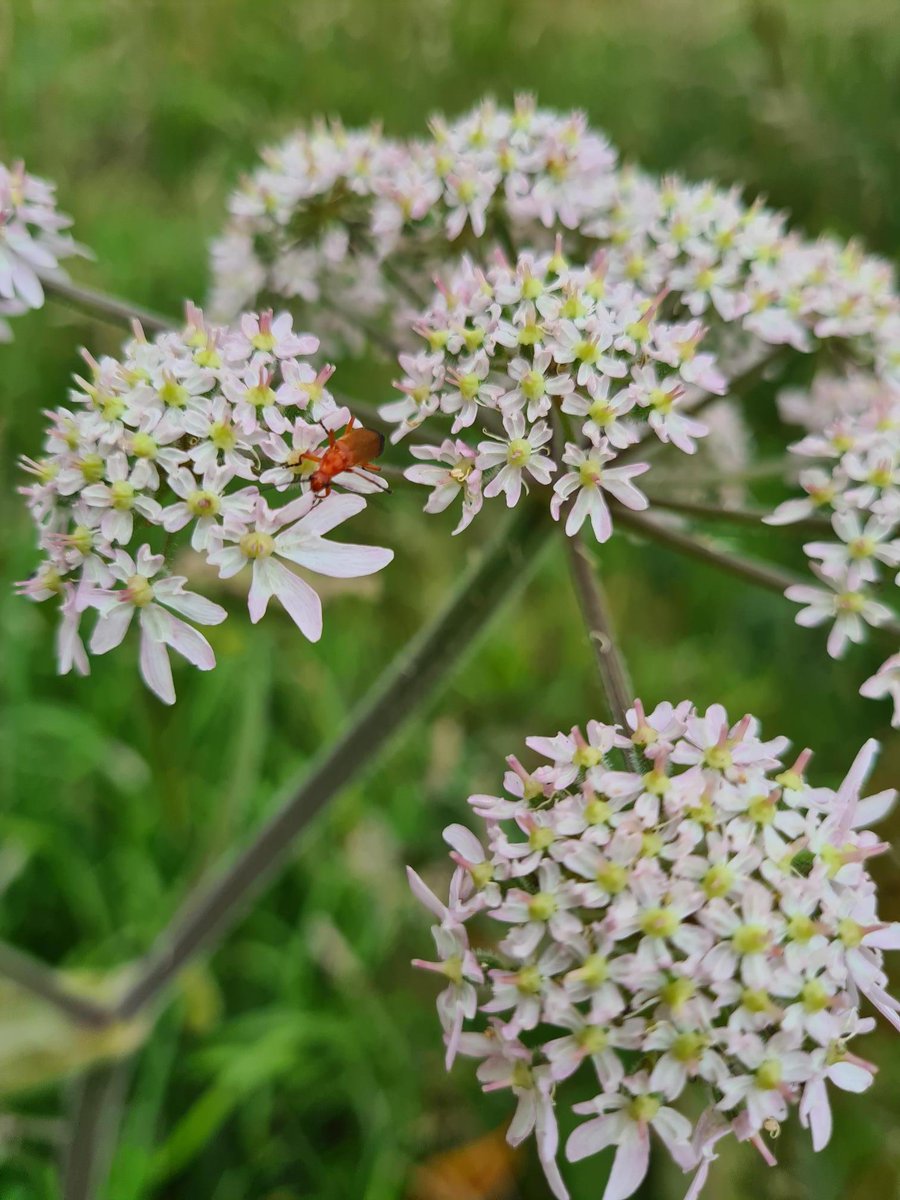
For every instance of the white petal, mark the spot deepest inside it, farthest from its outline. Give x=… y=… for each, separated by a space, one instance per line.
x=111 y=629
x=301 y=602
x=340 y=560
x=155 y=668
x=630 y=1164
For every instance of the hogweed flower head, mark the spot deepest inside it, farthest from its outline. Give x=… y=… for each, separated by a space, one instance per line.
x=210 y=433
x=527 y=344
x=857 y=486
x=707 y=923
x=32 y=241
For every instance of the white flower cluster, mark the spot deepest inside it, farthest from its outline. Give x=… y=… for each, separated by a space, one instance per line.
x=858 y=486
x=740 y=265
x=706 y=920
x=186 y=433
x=31 y=241
x=318 y=220
x=346 y=217
x=515 y=340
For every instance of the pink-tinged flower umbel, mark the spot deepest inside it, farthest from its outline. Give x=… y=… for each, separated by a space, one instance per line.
x=709 y=917
x=171 y=445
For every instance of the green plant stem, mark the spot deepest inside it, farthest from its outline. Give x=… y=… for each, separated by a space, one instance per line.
x=704 y=550
x=108 y=308
x=736 y=516
x=96 y=1109
x=614 y=678
x=218 y=902
x=35 y=977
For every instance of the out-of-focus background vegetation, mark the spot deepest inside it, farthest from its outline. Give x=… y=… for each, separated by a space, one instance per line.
x=304 y=1059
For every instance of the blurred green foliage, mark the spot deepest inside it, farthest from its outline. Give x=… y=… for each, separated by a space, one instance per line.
x=304 y=1060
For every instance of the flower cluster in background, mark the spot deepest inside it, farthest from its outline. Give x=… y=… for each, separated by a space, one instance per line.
x=854 y=434
x=322 y=219
x=704 y=923
x=205 y=435
x=357 y=223
x=515 y=340
x=31 y=241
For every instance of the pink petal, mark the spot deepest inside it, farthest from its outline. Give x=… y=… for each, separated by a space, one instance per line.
x=111 y=629
x=155 y=668
x=592 y=1137
x=261 y=589
x=332 y=511
x=850 y=1077
x=187 y=641
x=630 y=1164
x=424 y=894
x=300 y=601
x=464 y=842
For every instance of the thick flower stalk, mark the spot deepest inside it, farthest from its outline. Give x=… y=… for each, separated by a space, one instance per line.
x=207 y=437
x=524 y=340
x=854 y=440
x=32 y=242
x=704 y=925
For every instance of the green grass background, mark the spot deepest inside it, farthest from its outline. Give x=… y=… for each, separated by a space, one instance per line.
x=304 y=1059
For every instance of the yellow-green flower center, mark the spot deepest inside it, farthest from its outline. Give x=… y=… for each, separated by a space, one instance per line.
x=687 y=1046
x=612 y=877
x=468 y=385
x=593 y=971
x=717 y=881
x=755 y=1000
x=140 y=590
x=750 y=939
x=659 y=922
x=800 y=928
x=769 y=1075
x=593 y=1039
x=850 y=933
x=173 y=394
x=452 y=968
x=814 y=996
x=203 y=504
x=260 y=395
x=518 y=452
x=143 y=446
x=121 y=495
x=542 y=906
x=586 y=351
x=596 y=812
x=718 y=757
x=208 y=357
x=81 y=539
x=541 y=837
x=482 y=873
x=677 y=992
x=257 y=544
x=643 y=1108
x=761 y=810
x=222 y=436
x=528 y=980
x=587 y=756
x=849 y=602
x=533 y=385
x=112 y=408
